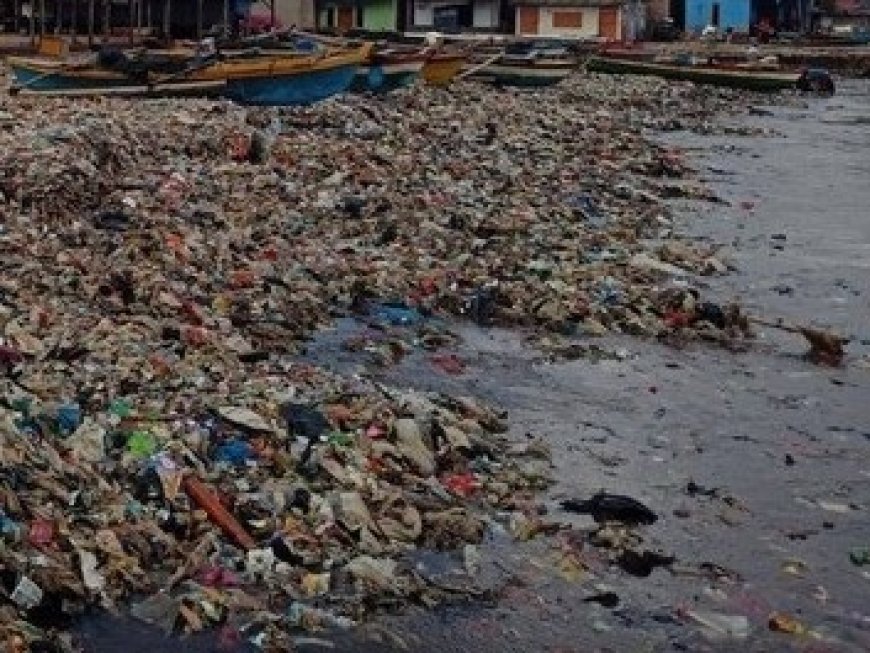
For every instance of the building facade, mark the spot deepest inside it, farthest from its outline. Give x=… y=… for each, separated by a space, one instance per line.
x=296 y=12
x=612 y=20
x=723 y=14
x=453 y=16
x=371 y=15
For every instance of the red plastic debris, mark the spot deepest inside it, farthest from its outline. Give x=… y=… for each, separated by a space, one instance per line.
x=40 y=533
x=462 y=485
x=677 y=319
x=10 y=355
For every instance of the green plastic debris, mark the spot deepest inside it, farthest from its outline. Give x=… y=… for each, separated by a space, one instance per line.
x=22 y=405
x=121 y=408
x=141 y=444
x=860 y=557
x=340 y=439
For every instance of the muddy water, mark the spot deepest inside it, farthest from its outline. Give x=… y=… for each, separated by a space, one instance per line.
x=785 y=445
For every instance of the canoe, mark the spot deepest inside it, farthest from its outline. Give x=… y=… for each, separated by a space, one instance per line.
x=440 y=68
x=36 y=74
x=289 y=79
x=744 y=78
x=528 y=71
x=214 y=88
x=388 y=70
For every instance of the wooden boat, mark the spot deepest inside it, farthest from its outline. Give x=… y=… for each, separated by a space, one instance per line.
x=524 y=63
x=521 y=71
x=246 y=78
x=291 y=79
x=387 y=70
x=441 y=67
x=734 y=77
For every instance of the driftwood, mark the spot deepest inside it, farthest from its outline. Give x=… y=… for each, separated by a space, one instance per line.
x=826 y=347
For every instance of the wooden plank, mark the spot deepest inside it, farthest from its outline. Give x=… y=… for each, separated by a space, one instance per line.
x=91 y=22
x=107 y=20
x=32 y=25
x=74 y=25
x=567 y=19
x=167 y=20
x=157 y=89
x=529 y=18
x=608 y=22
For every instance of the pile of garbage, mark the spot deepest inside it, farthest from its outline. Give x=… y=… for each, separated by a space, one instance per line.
x=291 y=507
x=166 y=259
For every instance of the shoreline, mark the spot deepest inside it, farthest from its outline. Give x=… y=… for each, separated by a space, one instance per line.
x=408 y=207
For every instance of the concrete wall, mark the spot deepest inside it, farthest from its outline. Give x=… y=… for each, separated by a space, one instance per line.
x=296 y=12
x=732 y=13
x=485 y=14
x=379 y=15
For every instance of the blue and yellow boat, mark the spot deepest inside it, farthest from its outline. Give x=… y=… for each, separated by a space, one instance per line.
x=255 y=78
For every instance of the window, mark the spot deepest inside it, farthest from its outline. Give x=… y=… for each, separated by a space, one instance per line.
x=568 y=19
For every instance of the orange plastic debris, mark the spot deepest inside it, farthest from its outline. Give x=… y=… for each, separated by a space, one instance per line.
x=204 y=498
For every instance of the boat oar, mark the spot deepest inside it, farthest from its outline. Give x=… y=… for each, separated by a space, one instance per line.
x=826 y=347
x=481 y=66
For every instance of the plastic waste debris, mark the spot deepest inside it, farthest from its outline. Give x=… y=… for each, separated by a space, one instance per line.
x=860 y=556
x=604 y=507
x=209 y=502
x=27 y=594
x=784 y=623
x=719 y=625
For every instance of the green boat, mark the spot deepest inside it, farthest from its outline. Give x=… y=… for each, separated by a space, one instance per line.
x=733 y=77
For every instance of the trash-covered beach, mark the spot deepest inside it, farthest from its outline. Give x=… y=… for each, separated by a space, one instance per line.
x=177 y=450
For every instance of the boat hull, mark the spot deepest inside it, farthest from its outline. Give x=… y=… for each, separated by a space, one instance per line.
x=530 y=74
x=292 y=89
x=290 y=79
x=440 y=70
x=35 y=78
x=382 y=74
x=743 y=79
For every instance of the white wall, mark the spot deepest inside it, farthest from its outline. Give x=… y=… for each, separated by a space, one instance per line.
x=545 y=22
x=485 y=14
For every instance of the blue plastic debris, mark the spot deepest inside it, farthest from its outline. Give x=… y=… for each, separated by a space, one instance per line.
x=397 y=314
x=585 y=205
x=69 y=418
x=234 y=452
